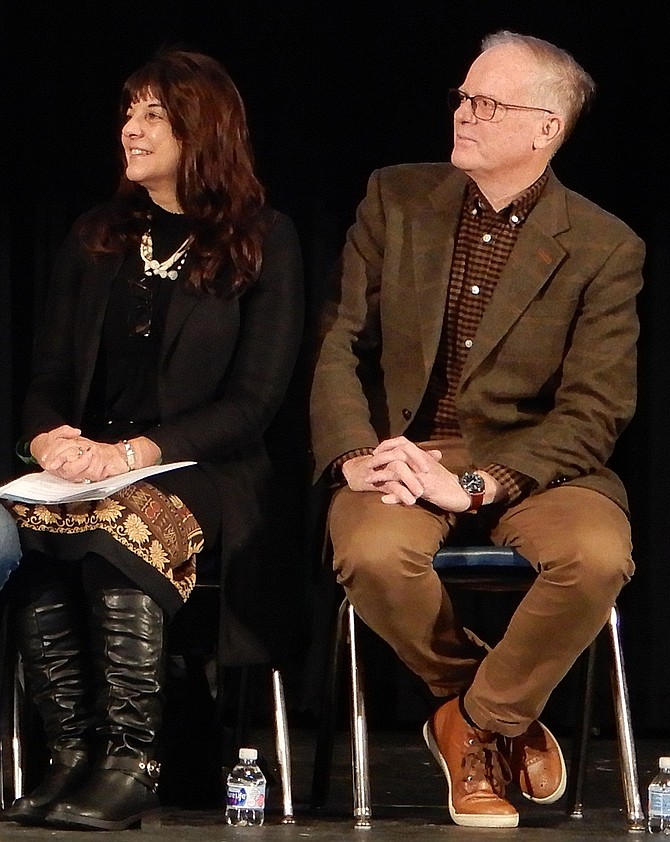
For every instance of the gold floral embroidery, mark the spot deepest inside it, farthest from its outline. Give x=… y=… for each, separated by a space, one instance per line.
x=137 y=529
x=46 y=514
x=79 y=514
x=109 y=510
x=158 y=556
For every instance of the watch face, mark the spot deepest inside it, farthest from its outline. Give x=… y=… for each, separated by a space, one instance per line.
x=472 y=483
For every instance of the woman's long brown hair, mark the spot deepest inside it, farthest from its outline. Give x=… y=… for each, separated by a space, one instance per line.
x=216 y=184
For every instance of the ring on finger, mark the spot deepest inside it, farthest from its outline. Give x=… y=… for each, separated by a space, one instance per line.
x=80 y=450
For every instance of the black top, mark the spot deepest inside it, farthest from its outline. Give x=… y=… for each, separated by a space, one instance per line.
x=124 y=388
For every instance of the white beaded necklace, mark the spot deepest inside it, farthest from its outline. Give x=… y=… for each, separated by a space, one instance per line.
x=153 y=267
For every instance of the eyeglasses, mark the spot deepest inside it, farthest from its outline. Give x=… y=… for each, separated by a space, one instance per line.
x=485 y=107
x=141 y=316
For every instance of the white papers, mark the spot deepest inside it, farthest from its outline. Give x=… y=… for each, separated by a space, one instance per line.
x=43 y=487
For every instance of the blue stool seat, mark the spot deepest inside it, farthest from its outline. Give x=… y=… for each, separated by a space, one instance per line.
x=484 y=568
x=451 y=558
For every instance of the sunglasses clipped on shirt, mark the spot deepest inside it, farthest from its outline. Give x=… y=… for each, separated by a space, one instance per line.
x=141 y=316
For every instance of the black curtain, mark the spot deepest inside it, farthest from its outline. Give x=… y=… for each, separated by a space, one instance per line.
x=333 y=90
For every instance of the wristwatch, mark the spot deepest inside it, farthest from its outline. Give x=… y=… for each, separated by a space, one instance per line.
x=473 y=483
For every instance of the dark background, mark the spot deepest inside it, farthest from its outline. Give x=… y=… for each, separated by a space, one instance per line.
x=334 y=89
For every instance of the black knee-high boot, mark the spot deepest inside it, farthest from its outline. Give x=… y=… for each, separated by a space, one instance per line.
x=127 y=636
x=49 y=635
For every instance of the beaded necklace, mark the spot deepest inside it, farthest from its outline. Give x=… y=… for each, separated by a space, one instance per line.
x=164 y=270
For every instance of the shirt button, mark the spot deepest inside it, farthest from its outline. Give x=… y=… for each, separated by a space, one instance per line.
x=474 y=289
x=487 y=238
x=407 y=414
x=514 y=219
x=468 y=343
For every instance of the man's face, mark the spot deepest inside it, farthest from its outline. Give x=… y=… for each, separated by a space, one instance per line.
x=504 y=147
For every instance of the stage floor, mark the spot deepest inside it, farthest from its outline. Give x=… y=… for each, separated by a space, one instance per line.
x=407 y=794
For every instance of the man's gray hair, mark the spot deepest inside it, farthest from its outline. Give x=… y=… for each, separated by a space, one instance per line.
x=562 y=84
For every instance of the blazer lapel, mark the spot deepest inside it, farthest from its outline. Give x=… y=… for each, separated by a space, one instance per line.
x=95 y=294
x=433 y=231
x=181 y=307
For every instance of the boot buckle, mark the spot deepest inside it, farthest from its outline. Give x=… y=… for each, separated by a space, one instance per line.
x=152 y=768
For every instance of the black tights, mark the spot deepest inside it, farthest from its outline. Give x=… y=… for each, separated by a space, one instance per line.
x=38 y=574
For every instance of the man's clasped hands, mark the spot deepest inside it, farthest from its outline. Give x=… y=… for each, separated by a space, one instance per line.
x=403 y=473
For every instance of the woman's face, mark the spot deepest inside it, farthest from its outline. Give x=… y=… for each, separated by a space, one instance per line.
x=151 y=149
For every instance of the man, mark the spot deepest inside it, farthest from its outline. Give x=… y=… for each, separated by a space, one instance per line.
x=477 y=367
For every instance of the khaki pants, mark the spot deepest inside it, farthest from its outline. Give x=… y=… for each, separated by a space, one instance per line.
x=579 y=542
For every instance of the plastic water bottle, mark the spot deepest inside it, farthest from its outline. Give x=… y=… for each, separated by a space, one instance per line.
x=658 y=815
x=245 y=791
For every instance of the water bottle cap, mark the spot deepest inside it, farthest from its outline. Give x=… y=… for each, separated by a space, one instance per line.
x=664 y=762
x=248 y=754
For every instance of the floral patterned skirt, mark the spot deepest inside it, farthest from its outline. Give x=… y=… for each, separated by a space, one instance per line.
x=150 y=535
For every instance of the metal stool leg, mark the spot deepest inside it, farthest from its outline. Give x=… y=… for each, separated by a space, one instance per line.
x=18 y=760
x=575 y=802
x=323 y=756
x=12 y=759
x=282 y=746
x=359 y=734
x=624 y=727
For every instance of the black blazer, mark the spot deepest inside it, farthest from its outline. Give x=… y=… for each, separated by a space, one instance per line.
x=225 y=368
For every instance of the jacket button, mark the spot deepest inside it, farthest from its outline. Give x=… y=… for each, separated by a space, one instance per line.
x=407 y=414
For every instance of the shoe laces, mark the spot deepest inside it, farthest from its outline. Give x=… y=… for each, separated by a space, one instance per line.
x=484 y=762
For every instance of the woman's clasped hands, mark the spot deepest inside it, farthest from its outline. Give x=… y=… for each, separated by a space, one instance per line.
x=65 y=453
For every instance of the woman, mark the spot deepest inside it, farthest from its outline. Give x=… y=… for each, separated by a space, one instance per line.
x=10 y=550
x=170 y=334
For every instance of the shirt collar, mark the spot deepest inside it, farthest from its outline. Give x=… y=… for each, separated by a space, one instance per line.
x=516 y=212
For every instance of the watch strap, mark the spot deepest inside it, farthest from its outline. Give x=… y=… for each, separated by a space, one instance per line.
x=476 y=501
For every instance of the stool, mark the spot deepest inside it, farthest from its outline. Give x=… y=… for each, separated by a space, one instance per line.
x=484 y=569
x=207 y=585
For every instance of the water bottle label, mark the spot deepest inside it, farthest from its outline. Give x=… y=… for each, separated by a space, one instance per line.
x=247 y=797
x=659 y=801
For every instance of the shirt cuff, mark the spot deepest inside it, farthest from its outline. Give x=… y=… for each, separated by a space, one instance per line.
x=514 y=484
x=336 y=466
x=23 y=452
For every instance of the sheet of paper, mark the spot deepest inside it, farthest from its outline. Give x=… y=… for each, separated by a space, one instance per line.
x=43 y=487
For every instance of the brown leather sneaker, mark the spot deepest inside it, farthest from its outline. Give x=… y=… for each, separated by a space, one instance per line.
x=536 y=762
x=475 y=771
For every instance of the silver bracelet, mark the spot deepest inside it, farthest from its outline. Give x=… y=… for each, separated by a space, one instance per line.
x=130 y=455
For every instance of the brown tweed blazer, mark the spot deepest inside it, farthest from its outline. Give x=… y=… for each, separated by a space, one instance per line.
x=550 y=382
